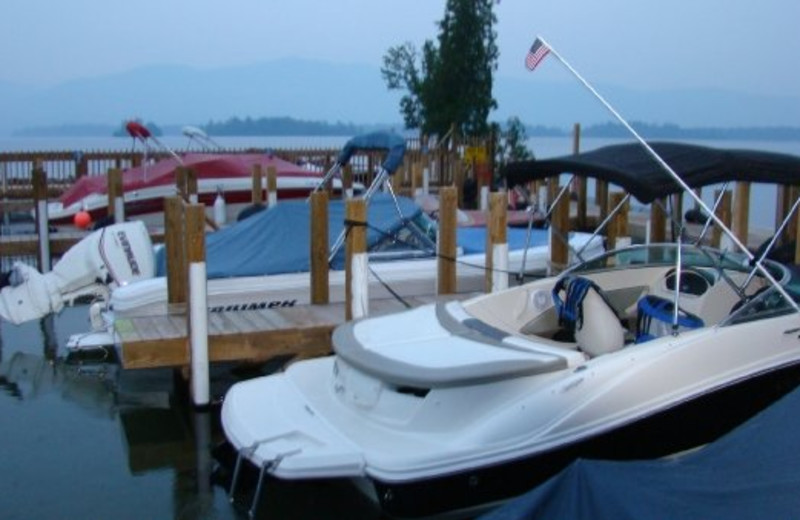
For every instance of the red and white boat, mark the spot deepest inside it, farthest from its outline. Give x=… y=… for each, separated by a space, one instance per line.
x=146 y=186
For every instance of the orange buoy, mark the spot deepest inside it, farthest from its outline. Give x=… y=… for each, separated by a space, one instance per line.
x=82 y=219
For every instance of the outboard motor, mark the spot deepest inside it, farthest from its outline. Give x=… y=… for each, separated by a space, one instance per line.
x=110 y=257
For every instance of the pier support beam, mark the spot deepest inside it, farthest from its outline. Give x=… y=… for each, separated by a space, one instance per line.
x=198 y=303
x=446 y=280
x=497 y=244
x=320 y=284
x=116 y=201
x=357 y=263
x=42 y=224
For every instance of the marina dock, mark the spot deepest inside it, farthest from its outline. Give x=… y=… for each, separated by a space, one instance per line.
x=252 y=335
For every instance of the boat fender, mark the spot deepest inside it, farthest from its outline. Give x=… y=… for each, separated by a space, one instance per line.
x=219 y=208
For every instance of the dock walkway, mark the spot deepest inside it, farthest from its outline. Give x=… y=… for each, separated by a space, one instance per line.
x=253 y=335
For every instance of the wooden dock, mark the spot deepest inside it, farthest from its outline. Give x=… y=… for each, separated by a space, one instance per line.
x=255 y=335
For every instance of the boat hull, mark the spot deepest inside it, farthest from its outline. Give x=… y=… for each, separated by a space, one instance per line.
x=681 y=427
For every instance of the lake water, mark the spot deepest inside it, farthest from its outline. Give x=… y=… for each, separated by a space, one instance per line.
x=83 y=440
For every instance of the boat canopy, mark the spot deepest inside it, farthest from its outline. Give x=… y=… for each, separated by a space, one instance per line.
x=277 y=240
x=205 y=165
x=631 y=167
x=393 y=143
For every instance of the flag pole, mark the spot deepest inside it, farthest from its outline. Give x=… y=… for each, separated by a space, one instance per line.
x=674 y=175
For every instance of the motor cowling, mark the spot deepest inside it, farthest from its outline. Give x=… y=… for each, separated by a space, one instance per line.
x=110 y=257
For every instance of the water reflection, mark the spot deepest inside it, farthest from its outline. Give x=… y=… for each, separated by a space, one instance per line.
x=101 y=442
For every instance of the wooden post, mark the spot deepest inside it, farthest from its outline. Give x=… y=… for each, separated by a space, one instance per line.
x=559 y=230
x=347 y=183
x=272 y=186
x=741 y=212
x=257 y=174
x=791 y=227
x=658 y=221
x=416 y=178
x=601 y=199
x=723 y=213
x=39 y=177
x=175 y=248
x=191 y=186
x=356 y=281
x=116 y=201
x=580 y=182
x=198 y=302
x=81 y=165
x=553 y=187
x=497 y=246
x=320 y=285
x=677 y=212
x=180 y=182
x=618 y=227
x=446 y=281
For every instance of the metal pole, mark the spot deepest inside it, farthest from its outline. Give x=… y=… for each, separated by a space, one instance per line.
x=677 y=179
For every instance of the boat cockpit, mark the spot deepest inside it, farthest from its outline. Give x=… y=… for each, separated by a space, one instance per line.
x=627 y=296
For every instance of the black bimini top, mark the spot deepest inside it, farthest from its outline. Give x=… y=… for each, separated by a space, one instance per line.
x=631 y=167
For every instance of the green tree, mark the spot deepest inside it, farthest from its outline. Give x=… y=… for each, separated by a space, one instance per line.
x=513 y=145
x=449 y=83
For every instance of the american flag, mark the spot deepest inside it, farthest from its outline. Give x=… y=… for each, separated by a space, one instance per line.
x=538 y=51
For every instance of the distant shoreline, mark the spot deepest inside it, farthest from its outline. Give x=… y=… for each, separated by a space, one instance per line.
x=283 y=127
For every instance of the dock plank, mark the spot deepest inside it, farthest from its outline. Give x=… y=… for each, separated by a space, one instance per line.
x=248 y=336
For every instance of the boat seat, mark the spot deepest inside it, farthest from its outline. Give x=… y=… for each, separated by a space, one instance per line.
x=585 y=311
x=656 y=316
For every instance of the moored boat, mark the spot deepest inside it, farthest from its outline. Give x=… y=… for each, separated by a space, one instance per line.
x=641 y=352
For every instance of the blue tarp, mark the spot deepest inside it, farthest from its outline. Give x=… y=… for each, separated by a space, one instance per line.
x=278 y=240
x=473 y=239
x=752 y=472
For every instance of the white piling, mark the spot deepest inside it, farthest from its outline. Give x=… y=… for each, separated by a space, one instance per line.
x=360 y=286
x=119 y=209
x=484 y=204
x=500 y=267
x=198 y=315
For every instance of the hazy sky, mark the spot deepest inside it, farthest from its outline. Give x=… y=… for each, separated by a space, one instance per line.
x=736 y=44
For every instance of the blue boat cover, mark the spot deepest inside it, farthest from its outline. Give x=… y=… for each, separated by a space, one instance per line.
x=278 y=240
x=473 y=239
x=752 y=472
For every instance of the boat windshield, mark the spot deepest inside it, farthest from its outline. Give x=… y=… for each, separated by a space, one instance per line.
x=665 y=254
x=768 y=302
x=415 y=238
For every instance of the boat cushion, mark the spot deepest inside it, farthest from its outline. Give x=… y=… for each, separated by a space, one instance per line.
x=441 y=345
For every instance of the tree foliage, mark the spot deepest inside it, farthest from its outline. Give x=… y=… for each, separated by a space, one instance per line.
x=449 y=82
x=513 y=143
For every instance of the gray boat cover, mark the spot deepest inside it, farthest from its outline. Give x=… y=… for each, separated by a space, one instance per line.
x=752 y=472
x=277 y=240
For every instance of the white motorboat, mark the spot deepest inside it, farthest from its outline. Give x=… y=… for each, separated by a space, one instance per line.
x=271 y=267
x=644 y=351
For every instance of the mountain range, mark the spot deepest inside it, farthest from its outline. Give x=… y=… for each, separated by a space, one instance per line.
x=354 y=93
